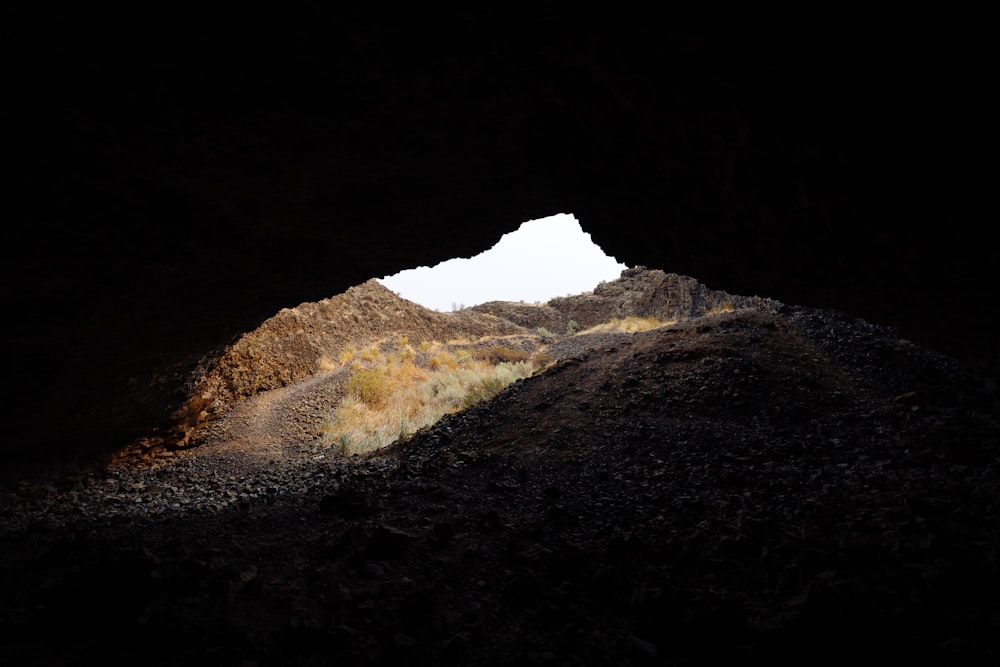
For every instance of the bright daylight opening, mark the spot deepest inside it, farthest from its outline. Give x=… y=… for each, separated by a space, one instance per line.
x=542 y=259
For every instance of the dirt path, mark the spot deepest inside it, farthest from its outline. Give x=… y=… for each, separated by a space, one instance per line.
x=276 y=425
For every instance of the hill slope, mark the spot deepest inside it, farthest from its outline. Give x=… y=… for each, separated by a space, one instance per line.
x=297 y=343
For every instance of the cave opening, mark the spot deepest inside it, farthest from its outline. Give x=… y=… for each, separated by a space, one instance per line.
x=543 y=258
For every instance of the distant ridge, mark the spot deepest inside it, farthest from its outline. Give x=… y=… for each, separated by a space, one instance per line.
x=638 y=292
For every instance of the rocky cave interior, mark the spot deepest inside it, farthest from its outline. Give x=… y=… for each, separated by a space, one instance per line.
x=178 y=174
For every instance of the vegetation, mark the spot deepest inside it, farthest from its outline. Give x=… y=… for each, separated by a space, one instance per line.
x=496 y=354
x=545 y=336
x=724 y=308
x=630 y=324
x=394 y=389
x=368 y=385
x=388 y=396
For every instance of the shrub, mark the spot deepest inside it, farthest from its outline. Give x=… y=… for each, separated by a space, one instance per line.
x=497 y=354
x=369 y=386
x=509 y=373
x=542 y=359
x=483 y=390
x=572 y=327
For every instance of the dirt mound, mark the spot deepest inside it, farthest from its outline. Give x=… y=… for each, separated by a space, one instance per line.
x=299 y=342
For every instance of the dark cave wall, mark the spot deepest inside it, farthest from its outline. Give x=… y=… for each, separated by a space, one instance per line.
x=181 y=174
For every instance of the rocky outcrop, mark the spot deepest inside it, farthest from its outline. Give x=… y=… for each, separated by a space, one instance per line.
x=639 y=292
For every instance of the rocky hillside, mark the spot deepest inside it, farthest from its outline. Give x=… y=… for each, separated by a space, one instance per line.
x=299 y=342
x=639 y=292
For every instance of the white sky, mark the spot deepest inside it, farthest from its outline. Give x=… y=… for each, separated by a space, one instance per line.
x=542 y=259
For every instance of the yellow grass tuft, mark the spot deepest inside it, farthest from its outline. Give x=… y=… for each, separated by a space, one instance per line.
x=724 y=308
x=368 y=385
x=630 y=324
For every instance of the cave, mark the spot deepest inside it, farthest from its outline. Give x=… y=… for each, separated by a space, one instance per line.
x=178 y=174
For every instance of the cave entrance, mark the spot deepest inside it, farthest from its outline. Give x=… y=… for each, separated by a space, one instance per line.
x=541 y=259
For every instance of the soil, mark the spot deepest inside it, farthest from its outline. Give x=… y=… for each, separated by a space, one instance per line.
x=746 y=487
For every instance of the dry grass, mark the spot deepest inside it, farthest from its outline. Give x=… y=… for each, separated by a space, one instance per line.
x=724 y=308
x=629 y=324
x=368 y=385
x=394 y=394
x=496 y=354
